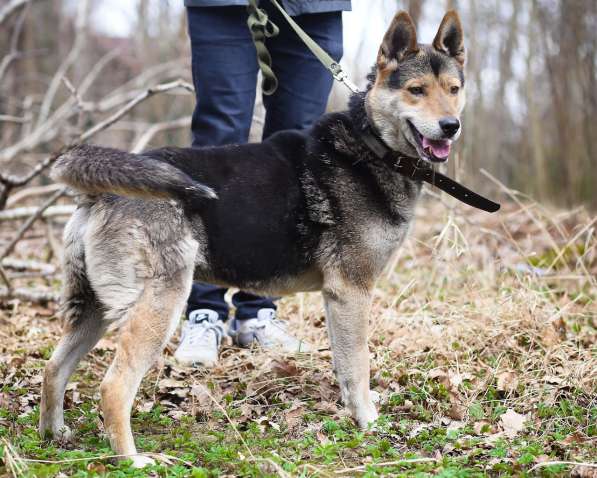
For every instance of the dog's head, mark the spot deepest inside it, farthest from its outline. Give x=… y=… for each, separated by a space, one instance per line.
x=417 y=94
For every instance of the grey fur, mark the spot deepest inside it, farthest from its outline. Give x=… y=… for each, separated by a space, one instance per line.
x=339 y=212
x=94 y=170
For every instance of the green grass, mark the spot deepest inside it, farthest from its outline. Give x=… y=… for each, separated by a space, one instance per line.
x=461 y=337
x=320 y=445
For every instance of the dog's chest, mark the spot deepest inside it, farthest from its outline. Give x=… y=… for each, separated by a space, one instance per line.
x=381 y=240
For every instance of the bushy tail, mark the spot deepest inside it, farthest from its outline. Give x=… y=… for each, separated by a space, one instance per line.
x=95 y=170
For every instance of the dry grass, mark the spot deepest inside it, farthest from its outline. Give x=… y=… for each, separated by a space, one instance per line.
x=477 y=314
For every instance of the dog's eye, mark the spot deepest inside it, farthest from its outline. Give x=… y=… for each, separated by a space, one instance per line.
x=416 y=90
x=454 y=90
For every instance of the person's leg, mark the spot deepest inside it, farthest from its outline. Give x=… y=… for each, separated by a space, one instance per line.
x=301 y=97
x=304 y=83
x=224 y=68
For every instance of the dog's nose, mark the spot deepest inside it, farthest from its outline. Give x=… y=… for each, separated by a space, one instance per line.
x=449 y=126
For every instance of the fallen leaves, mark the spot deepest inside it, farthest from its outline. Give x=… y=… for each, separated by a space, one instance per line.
x=507 y=382
x=512 y=423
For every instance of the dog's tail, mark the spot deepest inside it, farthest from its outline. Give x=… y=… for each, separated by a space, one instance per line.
x=95 y=170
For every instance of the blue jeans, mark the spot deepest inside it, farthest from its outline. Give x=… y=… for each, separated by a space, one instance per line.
x=224 y=66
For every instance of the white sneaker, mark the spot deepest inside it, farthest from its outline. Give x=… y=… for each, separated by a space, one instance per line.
x=267 y=331
x=200 y=339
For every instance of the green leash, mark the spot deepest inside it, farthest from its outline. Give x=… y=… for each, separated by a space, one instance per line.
x=262 y=27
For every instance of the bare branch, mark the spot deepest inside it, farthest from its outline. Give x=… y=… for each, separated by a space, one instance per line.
x=29 y=222
x=13 y=52
x=13 y=181
x=31 y=192
x=11 y=7
x=13 y=119
x=149 y=92
x=80 y=37
x=146 y=137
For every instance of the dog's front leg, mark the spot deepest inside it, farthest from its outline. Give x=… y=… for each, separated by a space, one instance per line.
x=347 y=308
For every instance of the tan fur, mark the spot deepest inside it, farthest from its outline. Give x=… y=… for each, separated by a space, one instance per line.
x=347 y=308
x=132 y=266
x=438 y=102
x=150 y=324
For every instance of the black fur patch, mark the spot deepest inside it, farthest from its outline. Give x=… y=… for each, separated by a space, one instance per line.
x=452 y=39
x=437 y=61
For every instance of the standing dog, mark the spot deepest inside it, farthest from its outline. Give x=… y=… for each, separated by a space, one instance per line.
x=302 y=211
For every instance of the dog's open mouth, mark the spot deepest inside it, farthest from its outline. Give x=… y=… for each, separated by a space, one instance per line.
x=434 y=150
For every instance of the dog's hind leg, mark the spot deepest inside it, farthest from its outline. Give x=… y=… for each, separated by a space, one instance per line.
x=347 y=308
x=83 y=327
x=149 y=324
x=78 y=339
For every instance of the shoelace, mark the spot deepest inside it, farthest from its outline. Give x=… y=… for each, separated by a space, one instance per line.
x=197 y=333
x=278 y=330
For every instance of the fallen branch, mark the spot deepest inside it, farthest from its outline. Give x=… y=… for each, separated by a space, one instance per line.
x=22 y=265
x=385 y=463
x=30 y=295
x=25 y=212
x=30 y=192
x=567 y=463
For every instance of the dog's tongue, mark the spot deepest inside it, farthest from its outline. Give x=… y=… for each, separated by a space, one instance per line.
x=439 y=147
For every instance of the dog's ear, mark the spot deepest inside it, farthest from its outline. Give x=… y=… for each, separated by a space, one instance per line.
x=450 y=37
x=399 y=41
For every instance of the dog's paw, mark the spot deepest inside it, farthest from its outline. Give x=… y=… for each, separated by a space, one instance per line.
x=63 y=434
x=375 y=396
x=141 y=461
x=366 y=416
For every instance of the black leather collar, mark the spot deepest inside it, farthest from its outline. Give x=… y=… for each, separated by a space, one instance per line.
x=419 y=170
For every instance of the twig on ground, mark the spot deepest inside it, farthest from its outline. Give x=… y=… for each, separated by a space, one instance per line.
x=385 y=463
x=238 y=434
x=158 y=456
x=13 y=461
x=568 y=463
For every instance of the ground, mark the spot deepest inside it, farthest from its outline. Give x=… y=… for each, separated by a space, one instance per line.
x=482 y=347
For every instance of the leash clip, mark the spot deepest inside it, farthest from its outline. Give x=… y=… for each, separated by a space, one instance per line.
x=341 y=76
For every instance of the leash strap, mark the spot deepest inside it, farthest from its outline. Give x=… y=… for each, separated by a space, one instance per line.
x=326 y=60
x=410 y=167
x=262 y=27
x=259 y=24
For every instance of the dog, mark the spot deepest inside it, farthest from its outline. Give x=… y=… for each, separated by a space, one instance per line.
x=301 y=211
